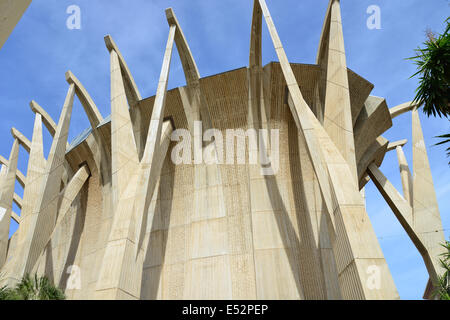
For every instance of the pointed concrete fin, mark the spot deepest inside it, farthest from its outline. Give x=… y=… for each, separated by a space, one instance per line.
x=257 y=117
x=19 y=175
x=35 y=171
x=338 y=121
x=35 y=175
x=124 y=153
x=256 y=37
x=58 y=149
x=94 y=116
x=6 y=199
x=46 y=118
x=131 y=93
x=7 y=189
x=423 y=179
x=324 y=36
x=341 y=177
x=47 y=203
x=198 y=110
x=187 y=60
x=154 y=131
x=427 y=219
x=131 y=88
x=26 y=144
x=149 y=169
x=48 y=121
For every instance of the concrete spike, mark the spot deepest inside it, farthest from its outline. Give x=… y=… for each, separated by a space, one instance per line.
x=337 y=108
x=123 y=146
x=132 y=91
x=94 y=116
x=122 y=258
x=198 y=110
x=19 y=175
x=149 y=171
x=427 y=219
x=6 y=200
x=35 y=174
x=349 y=248
x=26 y=144
x=46 y=118
x=47 y=204
x=187 y=60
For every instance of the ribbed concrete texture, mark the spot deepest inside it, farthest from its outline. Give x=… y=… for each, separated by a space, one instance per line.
x=112 y=215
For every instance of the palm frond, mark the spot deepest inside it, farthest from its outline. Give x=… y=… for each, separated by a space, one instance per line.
x=433 y=66
x=32 y=288
x=442 y=287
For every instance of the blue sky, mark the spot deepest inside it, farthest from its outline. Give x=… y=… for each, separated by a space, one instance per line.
x=41 y=49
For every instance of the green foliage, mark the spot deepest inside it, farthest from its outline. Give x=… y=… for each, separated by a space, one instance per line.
x=433 y=64
x=32 y=288
x=446 y=139
x=443 y=284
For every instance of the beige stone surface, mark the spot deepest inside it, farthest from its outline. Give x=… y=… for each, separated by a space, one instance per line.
x=417 y=210
x=6 y=200
x=24 y=142
x=405 y=174
x=19 y=175
x=426 y=217
x=337 y=106
x=10 y=13
x=401 y=109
